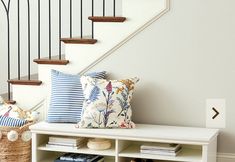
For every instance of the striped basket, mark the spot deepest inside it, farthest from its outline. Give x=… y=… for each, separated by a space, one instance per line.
x=17 y=151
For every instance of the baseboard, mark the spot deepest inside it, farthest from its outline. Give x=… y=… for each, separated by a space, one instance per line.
x=225 y=157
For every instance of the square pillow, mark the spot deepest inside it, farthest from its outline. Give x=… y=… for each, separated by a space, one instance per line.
x=107 y=103
x=67 y=97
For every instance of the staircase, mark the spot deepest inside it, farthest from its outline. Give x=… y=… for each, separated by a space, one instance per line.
x=108 y=34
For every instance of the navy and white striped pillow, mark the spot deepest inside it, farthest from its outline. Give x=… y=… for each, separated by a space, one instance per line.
x=67 y=97
x=11 y=122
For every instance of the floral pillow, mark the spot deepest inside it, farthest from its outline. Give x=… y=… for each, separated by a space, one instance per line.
x=107 y=103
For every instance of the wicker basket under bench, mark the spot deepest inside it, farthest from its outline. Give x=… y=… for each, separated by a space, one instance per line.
x=17 y=151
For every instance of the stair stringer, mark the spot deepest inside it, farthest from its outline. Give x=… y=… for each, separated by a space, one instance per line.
x=111 y=36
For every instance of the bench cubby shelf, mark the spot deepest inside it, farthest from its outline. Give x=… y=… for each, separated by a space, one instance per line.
x=199 y=144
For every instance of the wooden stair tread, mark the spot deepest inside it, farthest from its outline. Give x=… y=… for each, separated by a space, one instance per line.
x=11 y=102
x=25 y=82
x=51 y=62
x=106 y=19
x=79 y=40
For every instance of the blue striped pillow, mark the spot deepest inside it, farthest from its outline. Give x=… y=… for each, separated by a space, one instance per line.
x=67 y=97
x=11 y=122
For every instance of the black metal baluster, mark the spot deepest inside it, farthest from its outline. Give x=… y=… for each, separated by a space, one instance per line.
x=114 y=8
x=18 y=10
x=92 y=23
x=29 y=45
x=71 y=18
x=39 y=29
x=59 y=29
x=8 y=57
x=7 y=8
x=49 y=7
x=103 y=7
x=9 y=52
x=81 y=20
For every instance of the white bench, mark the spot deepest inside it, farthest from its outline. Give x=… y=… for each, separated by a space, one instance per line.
x=199 y=144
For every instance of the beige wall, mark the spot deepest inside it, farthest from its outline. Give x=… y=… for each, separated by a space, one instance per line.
x=182 y=59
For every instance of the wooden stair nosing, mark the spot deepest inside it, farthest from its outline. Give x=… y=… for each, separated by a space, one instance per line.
x=106 y=19
x=78 y=40
x=51 y=62
x=25 y=82
x=11 y=102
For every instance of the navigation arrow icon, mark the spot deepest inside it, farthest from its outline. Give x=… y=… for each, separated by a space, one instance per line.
x=216 y=113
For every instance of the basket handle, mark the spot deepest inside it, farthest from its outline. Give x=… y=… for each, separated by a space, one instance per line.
x=25 y=127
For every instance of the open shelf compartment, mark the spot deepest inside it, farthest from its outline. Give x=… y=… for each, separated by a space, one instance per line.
x=131 y=149
x=51 y=153
x=52 y=156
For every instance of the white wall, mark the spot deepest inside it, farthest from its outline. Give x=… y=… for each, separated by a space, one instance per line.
x=182 y=59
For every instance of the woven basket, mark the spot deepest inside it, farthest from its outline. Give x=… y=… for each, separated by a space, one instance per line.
x=17 y=151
